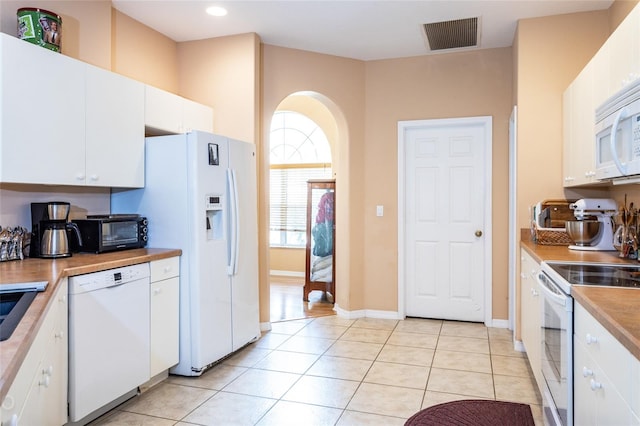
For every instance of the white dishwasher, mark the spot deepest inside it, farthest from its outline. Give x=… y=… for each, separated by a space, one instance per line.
x=108 y=339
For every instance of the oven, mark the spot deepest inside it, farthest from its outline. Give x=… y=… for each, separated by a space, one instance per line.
x=557 y=351
x=555 y=281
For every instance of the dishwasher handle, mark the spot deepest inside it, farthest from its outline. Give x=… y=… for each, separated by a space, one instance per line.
x=116 y=284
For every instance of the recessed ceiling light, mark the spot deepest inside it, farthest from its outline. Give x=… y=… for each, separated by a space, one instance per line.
x=217 y=11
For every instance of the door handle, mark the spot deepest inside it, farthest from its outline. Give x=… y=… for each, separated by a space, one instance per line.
x=478 y=233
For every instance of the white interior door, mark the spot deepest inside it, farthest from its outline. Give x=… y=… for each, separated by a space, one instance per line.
x=444 y=222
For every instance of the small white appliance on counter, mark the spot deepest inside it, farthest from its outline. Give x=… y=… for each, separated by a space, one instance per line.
x=603 y=210
x=201 y=196
x=618 y=151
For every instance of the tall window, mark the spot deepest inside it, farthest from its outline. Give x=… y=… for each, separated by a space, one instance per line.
x=299 y=151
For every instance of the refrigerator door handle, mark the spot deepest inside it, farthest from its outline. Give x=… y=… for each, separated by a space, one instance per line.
x=232 y=241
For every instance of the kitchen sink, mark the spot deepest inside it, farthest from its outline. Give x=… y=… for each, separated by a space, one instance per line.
x=15 y=299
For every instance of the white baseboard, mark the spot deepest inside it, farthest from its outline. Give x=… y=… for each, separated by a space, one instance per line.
x=518 y=346
x=365 y=313
x=265 y=326
x=286 y=273
x=499 y=323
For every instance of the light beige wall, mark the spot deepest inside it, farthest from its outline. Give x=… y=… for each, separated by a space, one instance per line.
x=221 y=72
x=551 y=52
x=86 y=26
x=618 y=11
x=143 y=54
x=287 y=259
x=439 y=86
x=339 y=84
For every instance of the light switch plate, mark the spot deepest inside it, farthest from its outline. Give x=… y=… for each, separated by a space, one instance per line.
x=379 y=211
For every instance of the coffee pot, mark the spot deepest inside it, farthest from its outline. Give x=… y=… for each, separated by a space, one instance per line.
x=49 y=223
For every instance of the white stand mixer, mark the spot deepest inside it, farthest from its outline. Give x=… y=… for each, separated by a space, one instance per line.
x=603 y=209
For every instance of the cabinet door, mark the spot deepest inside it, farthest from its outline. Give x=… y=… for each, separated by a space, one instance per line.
x=42 y=115
x=162 y=110
x=167 y=113
x=568 y=171
x=164 y=325
x=582 y=123
x=38 y=395
x=584 y=399
x=635 y=386
x=597 y=401
x=624 y=54
x=601 y=71
x=530 y=313
x=603 y=373
x=114 y=130
x=197 y=116
x=578 y=122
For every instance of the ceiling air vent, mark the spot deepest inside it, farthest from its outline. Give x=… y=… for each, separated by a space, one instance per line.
x=454 y=34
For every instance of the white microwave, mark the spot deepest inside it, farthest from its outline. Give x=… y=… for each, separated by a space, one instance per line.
x=618 y=152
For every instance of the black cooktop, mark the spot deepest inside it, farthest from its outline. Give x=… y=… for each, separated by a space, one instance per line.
x=600 y=275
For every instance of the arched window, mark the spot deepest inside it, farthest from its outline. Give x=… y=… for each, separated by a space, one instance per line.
x=299 y=151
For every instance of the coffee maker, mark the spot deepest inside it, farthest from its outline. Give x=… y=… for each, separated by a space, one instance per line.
x=49 y=226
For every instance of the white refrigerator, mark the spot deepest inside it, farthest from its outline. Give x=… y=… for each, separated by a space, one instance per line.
x=200 y=195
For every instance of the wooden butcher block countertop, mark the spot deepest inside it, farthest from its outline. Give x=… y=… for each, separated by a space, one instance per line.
x=616 y=308
x=14 y=350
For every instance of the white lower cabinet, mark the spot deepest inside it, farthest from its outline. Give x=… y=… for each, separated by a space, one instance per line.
x=38 y=395
x=603 y=385
x=530 y=313
x=164 y=332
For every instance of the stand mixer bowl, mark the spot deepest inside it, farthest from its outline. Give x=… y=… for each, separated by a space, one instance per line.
x=584 y=232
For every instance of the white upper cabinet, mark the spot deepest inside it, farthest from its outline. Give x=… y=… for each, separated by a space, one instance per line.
x=601 y=72
x=578 y=124
x=64 y=122
x=42 y=110
x=167 y=113
x=623 y=52
x=616 y=64
x=114 y=130
x=196 y=116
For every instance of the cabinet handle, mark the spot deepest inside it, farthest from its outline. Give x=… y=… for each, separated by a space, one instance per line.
x=586 y=372
x=595 y=385
x=59 y=335
x=80 y=176
x=167 y=269
x=48 y=371
x=44 y=382
x=534 y=292
x=523 y=275
x=157 y=291
x=591 y=339
x=62 y=299
x=95 y=178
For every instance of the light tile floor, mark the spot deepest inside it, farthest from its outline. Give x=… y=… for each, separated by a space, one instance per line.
x=333 y=371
